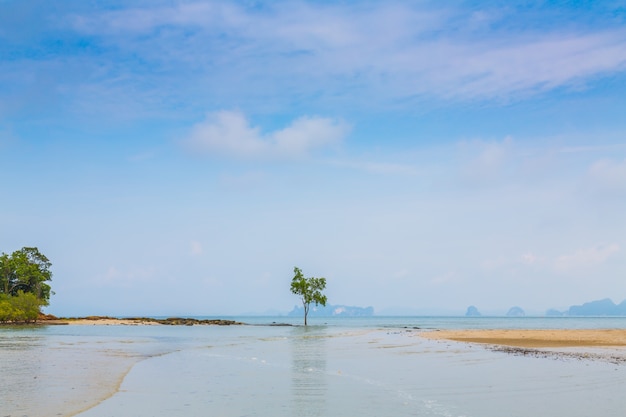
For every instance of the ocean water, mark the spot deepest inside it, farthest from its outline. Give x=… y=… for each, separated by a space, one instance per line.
x=334 y=367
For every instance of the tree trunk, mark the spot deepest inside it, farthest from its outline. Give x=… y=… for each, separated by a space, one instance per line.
x=306 y=312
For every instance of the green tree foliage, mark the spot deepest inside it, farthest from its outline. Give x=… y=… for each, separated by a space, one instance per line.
x=309 y=290
x=26 y=270
x=22 y=307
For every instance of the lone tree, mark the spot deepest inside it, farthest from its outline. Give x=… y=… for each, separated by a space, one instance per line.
x=309 y=290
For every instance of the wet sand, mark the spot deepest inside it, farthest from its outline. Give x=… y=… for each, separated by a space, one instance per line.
x=535 y=338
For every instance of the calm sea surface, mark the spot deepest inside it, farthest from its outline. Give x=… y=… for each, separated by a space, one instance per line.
x=376 y=366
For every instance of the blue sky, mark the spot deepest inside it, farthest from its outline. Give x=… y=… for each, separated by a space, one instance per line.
x=181 y=157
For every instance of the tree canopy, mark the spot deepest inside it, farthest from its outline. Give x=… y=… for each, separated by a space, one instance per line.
x=309 y=290
x=23 y=284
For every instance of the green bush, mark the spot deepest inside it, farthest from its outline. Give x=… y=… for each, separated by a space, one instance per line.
x=6 y=309
x=23 y=307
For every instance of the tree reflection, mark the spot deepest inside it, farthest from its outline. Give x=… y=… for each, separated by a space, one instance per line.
x=309 y=384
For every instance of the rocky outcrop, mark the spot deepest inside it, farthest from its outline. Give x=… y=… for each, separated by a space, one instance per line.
x=178 y=321
x=515 y=312
x=472 y=311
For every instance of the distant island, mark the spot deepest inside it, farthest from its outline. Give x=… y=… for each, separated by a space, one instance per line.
x=605 y=307
x=472 y=311
x=334 y=311
x=516 y=312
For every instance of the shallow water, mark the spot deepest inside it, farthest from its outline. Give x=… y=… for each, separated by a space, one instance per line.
x=322 y=370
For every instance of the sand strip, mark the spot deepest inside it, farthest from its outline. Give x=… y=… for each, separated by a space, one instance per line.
x=535 y=338
x=104 y=321
x=144 y=321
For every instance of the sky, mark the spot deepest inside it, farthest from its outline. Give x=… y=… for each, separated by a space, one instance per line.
x=182 y=157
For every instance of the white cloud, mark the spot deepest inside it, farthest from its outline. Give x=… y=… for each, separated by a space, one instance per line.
x=586 y=258
x=307 y=133
x=226 y=132
x=229 y=133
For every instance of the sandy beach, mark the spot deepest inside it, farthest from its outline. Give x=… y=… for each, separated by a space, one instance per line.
x=535 y=338
x=101 y=321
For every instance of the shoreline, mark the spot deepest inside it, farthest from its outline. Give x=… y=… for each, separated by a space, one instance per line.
x=512 y=338
x=507 y=338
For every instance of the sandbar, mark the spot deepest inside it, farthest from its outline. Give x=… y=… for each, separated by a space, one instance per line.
x=105 y=321
x=136 y=321
x=560 y=338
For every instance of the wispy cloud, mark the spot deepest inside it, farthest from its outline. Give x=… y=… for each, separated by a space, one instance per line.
x=528 y=63
x=387 y=50
x=230 y=133
x=586 y=258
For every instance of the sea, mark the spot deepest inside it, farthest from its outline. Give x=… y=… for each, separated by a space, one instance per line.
x=275 y=367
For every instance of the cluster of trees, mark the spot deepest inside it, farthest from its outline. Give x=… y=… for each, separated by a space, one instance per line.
x=23 y=284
